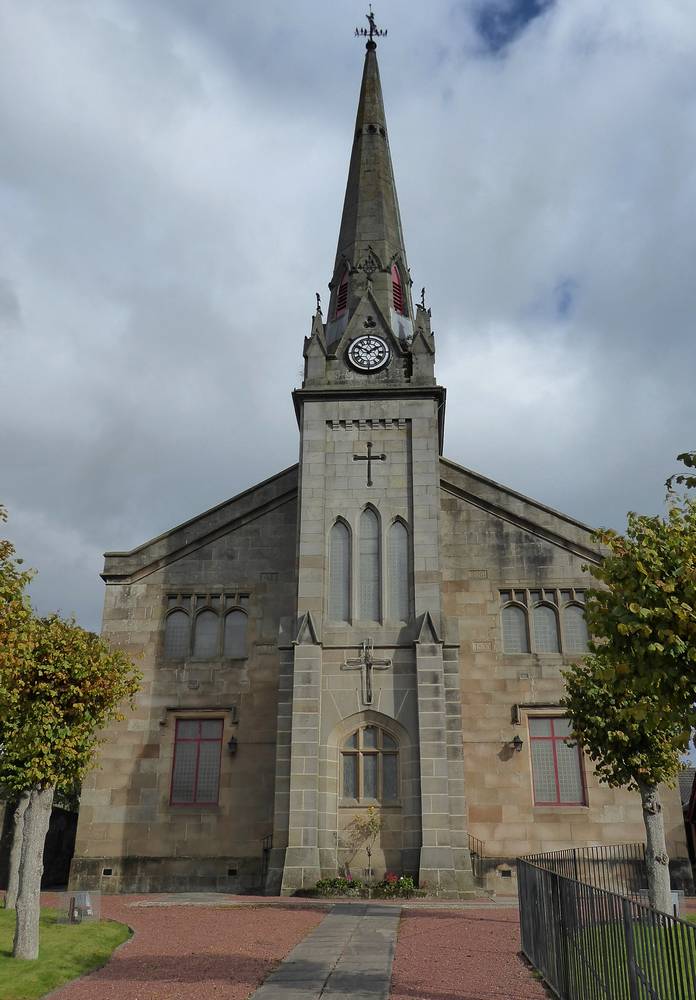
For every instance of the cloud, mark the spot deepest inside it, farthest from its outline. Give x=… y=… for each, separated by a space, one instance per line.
x=171 y=181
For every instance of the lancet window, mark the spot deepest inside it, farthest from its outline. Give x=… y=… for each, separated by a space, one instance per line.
x=370 y=576
x=342 y=296
x=339 y=572
x=399 y=577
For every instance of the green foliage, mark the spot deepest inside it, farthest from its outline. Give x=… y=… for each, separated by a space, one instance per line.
x=644 y=617
x=687 y=458
x=59 y=685
x=67 y=951
x=340 y=886
x=620 y=730
x=631 y=700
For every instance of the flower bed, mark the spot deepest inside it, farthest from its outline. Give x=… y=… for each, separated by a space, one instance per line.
x=392 y=886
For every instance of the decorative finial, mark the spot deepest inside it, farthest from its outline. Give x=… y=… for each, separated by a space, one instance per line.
x=372 y=32
x=423 y=297
x=318 y=302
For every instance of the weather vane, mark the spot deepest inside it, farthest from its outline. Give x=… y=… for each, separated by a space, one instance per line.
x=372 y=32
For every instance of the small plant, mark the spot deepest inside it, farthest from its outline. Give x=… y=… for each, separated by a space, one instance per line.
x=395 y=886
x=363 y=832
x=339 y=886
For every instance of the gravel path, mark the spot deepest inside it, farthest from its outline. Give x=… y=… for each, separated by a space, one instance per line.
x=191 y=953
x=471 y=955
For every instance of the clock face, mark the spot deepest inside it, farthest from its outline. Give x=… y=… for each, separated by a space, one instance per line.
x=369 y=353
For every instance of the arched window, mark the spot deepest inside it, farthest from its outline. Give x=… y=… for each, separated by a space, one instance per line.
x=177 y=635
x=370 y=766
x=235 y=636
x=205 y=638
x=339 y=573
x=397 y=291
x=545 y=629
x=369 y=566
x=399 y=583
x=342 y=296
x=515 y=637
x=574 y=629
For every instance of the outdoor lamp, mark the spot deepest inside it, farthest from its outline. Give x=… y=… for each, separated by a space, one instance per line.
x=232 y=745
x=516 y=743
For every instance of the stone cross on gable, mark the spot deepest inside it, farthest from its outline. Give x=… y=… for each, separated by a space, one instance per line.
x=366 y=663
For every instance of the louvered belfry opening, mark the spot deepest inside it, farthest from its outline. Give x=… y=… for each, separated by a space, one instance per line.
x=397 y=291
x=342 y=296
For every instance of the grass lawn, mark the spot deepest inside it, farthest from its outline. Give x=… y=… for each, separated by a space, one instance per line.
x=66 y=951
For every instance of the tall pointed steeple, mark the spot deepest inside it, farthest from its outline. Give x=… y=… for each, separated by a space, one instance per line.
x=370 y=242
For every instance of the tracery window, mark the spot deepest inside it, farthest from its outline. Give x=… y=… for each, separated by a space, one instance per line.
x=547 y=620
x=557 y=773
x=339 y=572
x=370 y=766
x=196 y=768
x=206 y=626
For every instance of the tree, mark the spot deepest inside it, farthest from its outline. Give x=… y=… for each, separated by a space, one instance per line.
x=59 y=685
x=632 y=700
x=617 y=730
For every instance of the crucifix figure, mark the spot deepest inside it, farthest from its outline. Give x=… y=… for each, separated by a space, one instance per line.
x=366 y=663
x=369 y=458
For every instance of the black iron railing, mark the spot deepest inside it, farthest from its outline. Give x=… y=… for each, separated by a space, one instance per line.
x=477 y=851
x=615 y=868
x=593 y=944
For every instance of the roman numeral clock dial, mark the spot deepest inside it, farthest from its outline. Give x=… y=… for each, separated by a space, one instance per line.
x=369 y=353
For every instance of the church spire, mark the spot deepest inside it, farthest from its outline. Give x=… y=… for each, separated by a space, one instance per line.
x=370 y=243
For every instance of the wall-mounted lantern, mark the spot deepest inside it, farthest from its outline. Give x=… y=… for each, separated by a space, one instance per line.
x=516 y=743
x=232 y=745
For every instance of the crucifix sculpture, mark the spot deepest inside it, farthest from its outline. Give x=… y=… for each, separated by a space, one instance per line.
x=369 y=458
x=366 y=663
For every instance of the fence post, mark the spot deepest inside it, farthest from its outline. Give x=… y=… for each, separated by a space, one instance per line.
x=630 y=948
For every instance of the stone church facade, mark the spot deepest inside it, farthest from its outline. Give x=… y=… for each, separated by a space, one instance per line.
x=376 y=626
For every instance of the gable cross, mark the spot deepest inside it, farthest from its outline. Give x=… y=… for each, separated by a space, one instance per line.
x=369 y=458
x=366 y=663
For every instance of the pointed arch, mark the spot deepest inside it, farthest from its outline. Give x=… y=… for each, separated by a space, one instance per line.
x=574 y=629
x=205 y=634
x=545 y=629
x=398 y=296
x=339 y=571
x=234 y=643
x=399 y=571
x=370 y=569
x=515 y=635
x=177 y=635
x=341 y=295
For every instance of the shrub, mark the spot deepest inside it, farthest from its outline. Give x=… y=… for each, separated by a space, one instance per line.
x=395 y=886
x=339 y=886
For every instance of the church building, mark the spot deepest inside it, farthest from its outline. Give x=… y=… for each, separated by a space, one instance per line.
x=376 y=626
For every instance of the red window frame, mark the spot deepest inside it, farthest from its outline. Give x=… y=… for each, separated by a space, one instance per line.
x=555 y=740
x=195 y=801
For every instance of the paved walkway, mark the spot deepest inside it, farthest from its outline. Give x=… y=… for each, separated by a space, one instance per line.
x=350 y=954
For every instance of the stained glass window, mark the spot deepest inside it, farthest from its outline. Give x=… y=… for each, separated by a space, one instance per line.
x=235 y=639
x=177 y=632
x=515 y=639
x=205 y=638
x=370 y=766
x=398 y=573
x=369 y=566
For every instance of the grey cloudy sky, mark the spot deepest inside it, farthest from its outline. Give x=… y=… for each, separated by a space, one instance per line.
x=171 y=180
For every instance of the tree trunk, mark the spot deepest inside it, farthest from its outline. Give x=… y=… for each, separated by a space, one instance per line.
x=657 y=861
x=36 y=820
x=16 y=852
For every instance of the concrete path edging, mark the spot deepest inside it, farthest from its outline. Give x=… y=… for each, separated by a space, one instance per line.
x=350 y=954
